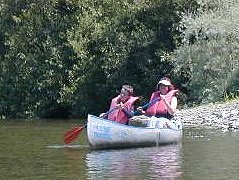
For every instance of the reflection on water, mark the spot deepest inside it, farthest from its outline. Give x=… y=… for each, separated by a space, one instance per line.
x=36 y=150
x=154 y=163
x=210 y=154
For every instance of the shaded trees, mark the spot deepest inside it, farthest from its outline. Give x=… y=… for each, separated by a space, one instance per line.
x=36 y=56
x=72 y=56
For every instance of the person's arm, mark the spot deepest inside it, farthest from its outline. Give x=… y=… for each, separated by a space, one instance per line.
x=142 y=109
x=172 y=107
x=128 y=113
x=112 y=108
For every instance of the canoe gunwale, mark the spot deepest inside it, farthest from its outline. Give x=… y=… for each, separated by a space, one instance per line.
x=105 y=134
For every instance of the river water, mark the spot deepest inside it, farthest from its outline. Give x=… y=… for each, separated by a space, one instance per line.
x=35 y=150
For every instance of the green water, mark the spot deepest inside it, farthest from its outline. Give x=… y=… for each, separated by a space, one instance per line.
x=35 y=150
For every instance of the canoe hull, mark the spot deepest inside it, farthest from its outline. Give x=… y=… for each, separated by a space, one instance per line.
x=103 y=134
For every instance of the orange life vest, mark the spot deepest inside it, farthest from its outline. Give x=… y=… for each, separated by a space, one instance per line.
x=119 y=115
x=159 y=107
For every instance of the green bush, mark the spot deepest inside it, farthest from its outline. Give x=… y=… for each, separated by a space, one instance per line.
x=210 y=50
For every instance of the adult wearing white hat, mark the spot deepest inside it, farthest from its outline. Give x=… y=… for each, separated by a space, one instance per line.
x=166 y=104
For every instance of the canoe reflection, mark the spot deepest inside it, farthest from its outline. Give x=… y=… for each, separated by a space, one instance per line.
x=162 y=162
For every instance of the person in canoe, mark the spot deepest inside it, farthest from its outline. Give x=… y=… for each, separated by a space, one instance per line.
x=165 y=100
x=122 y=106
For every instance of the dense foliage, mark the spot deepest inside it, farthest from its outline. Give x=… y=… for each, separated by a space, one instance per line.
x=209 y=54
x=119 y=43
x=35 y=56
x=68 y=58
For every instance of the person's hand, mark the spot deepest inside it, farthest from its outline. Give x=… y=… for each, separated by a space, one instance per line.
x=120 y=106
x=102 y=115
x=140 y=110
x=162 y=97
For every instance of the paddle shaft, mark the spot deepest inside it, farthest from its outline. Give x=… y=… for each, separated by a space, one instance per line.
x=110 y=111
x=147 y=105
x=150 y=103
x=106 y=114
x=72 y=134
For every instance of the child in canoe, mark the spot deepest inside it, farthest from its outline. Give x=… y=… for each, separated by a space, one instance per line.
x=122 y=106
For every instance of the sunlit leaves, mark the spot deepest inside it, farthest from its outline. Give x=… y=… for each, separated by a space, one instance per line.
x=210 y=48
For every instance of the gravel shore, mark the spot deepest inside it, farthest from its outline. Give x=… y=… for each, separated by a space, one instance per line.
x=218 y=115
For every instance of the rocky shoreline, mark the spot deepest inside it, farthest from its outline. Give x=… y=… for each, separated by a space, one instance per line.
x=219 y=115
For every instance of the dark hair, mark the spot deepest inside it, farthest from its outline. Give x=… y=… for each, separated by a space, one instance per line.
x=171 y=87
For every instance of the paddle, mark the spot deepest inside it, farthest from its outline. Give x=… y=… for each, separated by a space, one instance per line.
x=74 y=132
x=147 y=105
x=150 y=103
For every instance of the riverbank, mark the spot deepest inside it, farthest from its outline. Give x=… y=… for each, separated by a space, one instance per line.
x=218 y=115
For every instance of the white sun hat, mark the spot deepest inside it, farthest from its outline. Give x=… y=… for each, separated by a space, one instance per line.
x=165 y=82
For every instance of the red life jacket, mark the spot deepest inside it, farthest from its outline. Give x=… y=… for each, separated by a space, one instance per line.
x=159 y=107
x=119 y=115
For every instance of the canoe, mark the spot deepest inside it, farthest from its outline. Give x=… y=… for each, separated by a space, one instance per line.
x=104 y=134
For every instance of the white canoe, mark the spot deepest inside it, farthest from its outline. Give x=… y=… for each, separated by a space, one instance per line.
x=104 y=133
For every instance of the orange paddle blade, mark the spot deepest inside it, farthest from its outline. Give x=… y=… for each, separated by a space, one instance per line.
x=73 y=134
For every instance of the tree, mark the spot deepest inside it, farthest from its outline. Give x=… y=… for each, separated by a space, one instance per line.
x=209 y=52
x=119 y=43
x=36 y=56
